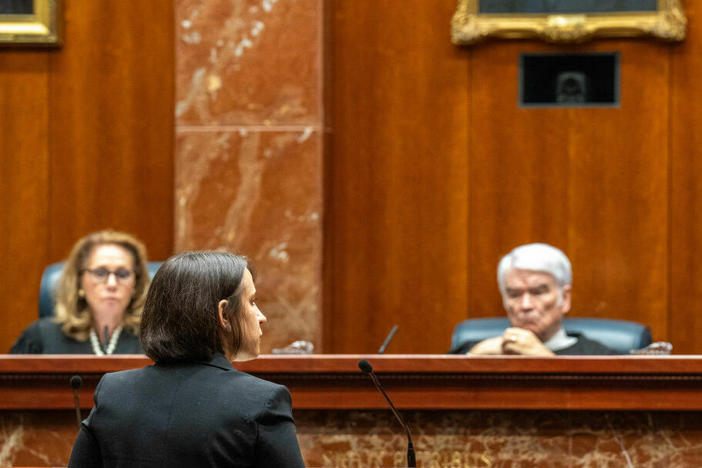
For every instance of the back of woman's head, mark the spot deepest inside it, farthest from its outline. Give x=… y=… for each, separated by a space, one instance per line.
x=180 y=321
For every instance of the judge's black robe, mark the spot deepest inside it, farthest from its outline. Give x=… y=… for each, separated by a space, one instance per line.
x=583 y=347
x=46 y=337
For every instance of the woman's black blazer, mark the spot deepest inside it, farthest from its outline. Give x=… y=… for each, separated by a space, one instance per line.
x=204 y=414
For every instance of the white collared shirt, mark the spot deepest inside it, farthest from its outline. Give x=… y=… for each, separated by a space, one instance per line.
x=560 y=341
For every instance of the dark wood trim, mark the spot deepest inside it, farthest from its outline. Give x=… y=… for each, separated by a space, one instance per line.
x=413 y=381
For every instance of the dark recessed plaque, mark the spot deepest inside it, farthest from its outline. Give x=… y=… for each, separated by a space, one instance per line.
x=569 y=80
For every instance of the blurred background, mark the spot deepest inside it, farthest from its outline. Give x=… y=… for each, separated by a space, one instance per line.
x=373 y=171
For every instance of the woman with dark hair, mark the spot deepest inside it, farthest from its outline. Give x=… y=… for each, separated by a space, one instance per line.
x=99 y=297
x=193 y=408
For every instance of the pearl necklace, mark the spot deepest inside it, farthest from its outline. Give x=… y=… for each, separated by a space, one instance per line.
x=110 y=346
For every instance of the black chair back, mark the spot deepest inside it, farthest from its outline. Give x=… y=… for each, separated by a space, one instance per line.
x=619 y=335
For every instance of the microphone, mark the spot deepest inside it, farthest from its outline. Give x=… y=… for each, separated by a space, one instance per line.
x=381 y=350
x=368 y=370
x=76 y=382
x=106 y=335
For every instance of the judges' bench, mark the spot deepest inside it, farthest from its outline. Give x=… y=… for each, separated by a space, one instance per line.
x=463 y=412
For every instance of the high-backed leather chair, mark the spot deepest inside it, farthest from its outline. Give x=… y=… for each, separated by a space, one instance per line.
x=50 y=277
x=619 y=335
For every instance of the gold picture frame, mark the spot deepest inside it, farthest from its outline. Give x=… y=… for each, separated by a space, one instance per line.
x=468 y=26
x=41 y=27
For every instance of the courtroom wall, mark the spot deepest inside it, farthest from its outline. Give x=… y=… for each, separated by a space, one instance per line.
x=373 y=171
x=434 y=172
x=86 y=143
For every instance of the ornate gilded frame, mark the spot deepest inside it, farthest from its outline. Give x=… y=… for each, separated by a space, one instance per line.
x=468 y=26
x=42 y=28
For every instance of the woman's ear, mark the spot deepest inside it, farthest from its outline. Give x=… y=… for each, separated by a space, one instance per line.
x=222 y=316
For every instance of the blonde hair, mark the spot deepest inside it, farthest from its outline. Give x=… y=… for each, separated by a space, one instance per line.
x=72 y=310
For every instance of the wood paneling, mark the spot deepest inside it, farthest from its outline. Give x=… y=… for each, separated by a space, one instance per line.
x=622 y=411
x=685 y=259
x=618 y=195
x=574 y=178
x=112 y=124
x=430 y=382
x=24 y=177
x=518 y=170
x=396 y=218
x=615 y=188
x=86 y=143
x=432 y=170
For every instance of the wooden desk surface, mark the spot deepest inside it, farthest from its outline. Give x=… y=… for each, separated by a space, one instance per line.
x=412 y=381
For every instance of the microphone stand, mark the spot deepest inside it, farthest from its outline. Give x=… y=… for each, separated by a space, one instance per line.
x=368 y=370
x=76 y=382
x=385 y=344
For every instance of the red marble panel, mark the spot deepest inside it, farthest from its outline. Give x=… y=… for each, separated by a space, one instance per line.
x=259 y=194
x=442 y=439
x=553 y=439
x=37 y=438
x=248 y=62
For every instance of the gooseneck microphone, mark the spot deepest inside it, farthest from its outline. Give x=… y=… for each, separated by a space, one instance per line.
x=368 y=370
x=385 y=344
x=76 y=382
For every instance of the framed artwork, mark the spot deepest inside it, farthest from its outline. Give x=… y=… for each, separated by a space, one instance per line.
x=567 y=20
x=30 y=22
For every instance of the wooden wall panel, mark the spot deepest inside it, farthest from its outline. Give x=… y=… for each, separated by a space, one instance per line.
x=614 y=187
x=618 y=232
x=24 y=174
x=112 y=124
x=518 y=179
x=574 y=178
x=86 y=143
x=396 y=218
x=685 y=260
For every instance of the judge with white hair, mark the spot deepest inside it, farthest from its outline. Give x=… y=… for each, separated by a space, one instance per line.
x=535 y=282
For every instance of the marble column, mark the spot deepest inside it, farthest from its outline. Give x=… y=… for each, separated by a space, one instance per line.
x=249 y=148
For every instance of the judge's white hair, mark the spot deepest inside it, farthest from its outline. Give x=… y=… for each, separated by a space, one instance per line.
x=536 y=257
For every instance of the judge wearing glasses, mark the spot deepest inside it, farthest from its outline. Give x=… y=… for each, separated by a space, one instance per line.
x=99 y=299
